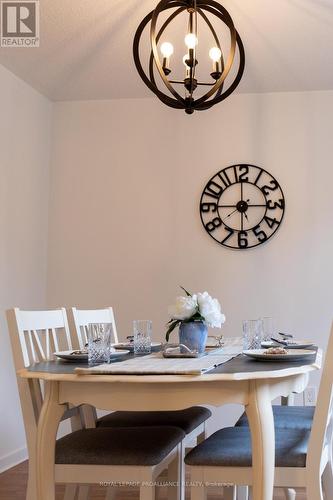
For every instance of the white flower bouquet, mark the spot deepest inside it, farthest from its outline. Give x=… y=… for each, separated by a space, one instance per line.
x=195 y=307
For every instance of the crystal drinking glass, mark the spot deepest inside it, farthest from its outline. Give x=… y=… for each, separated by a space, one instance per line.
x=142 y=329
x=268 y=329
x=252 y=334
x=99 y=343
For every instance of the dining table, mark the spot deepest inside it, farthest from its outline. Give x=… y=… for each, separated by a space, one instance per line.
x=241 y=380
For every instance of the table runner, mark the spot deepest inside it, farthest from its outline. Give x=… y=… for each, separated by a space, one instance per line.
x=155 y=364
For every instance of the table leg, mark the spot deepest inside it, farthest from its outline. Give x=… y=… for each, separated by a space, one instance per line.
x=48 y=423
x=32 y=484
x=260 y=416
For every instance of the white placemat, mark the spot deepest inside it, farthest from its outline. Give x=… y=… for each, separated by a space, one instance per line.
x=155 y=364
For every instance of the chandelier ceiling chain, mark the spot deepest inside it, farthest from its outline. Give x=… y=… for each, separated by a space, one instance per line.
x=161 y=55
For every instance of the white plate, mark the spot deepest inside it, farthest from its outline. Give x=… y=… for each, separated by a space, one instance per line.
x=130 y=346
x=68 y=356
x=297 y=344
x=293 y=355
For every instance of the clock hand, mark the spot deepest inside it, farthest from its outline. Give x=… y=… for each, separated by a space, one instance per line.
x=243 y=213
x=229 y=215
x=255 y=205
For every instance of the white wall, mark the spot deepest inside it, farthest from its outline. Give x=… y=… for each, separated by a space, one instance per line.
x=24 y=191
x=124 y=225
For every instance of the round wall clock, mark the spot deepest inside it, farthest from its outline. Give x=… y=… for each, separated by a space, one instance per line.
x=242 y=206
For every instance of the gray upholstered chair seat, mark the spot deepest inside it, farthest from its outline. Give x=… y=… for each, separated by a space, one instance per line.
x=231 y=447
x=129 y=446
x=187 y=420
x=287 y=417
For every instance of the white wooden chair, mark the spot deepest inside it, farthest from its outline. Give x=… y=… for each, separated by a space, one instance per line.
x=79 y=320
x=35 y=335
x=86 y=455
x=303 y=456
x=191 y=420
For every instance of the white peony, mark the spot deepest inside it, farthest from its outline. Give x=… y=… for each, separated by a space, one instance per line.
x=210 y=309
x=184 y=308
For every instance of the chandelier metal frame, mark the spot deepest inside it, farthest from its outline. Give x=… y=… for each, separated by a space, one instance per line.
x=196 y=9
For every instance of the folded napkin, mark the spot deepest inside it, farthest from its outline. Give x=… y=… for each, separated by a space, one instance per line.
x=155 y=364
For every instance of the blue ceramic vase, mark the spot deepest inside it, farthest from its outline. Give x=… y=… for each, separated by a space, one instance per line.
x=193 y=335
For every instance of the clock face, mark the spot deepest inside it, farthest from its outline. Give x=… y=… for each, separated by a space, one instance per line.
x=242 y=206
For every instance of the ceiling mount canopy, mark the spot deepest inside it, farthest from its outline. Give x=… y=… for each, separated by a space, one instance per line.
x=197 y=87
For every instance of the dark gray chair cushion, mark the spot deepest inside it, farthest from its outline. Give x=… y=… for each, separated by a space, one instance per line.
x=231 y=447
x=187 y=420
x=287 y=417
x=129 y=446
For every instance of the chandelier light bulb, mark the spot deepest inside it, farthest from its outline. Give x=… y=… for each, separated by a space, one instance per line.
x=167 y=49
x=191 y=40
x=215 y=54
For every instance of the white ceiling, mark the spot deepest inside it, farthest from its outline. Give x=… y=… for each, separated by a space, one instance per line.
x=86 y=47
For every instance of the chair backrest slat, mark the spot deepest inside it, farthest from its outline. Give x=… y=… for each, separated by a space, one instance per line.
x=37 y=345
x=79 y=319
x=47 y=336
x=32 y=348
x=322 y=428
x=55 y=340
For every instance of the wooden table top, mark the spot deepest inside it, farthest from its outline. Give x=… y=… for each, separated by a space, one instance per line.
x=239 y=368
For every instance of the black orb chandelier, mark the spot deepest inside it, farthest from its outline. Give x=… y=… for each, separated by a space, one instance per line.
x=184 y=93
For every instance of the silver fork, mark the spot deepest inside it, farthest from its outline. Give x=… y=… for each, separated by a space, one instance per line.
x=286 y=335
x=284 y=342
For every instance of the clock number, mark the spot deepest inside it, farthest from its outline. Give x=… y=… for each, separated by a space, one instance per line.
x=213 y=224
x=271 y=222
x=259 y=233
x=207 y=207
x=231 y=232
x=258 y=177
x=242 y=177
x=243 y=171
x=271 y=205
x=273 y=186
x=224 y=178
x=242 y=239
x=214 y=190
